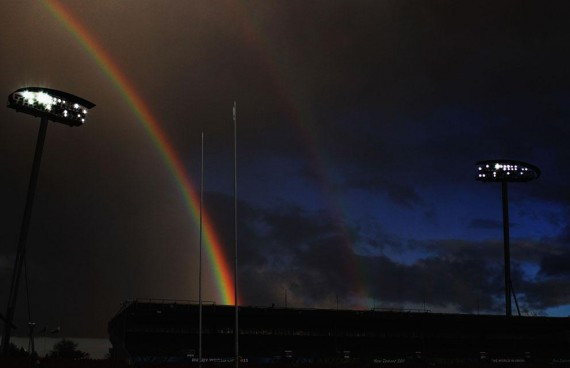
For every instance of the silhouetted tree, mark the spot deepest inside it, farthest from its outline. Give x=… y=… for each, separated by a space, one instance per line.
x=67 y=349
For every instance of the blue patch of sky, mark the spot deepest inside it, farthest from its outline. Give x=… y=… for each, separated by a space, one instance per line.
x=560 y=311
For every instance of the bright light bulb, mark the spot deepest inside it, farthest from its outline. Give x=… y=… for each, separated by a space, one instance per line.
x=28 y=96
x=43 y=98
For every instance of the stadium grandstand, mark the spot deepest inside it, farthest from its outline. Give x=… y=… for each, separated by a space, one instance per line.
x=162 y=331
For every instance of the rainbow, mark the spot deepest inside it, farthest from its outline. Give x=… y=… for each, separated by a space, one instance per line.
x=214 y=250
x=301 y=116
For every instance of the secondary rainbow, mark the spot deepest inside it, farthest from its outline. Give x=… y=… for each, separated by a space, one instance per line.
x=301 y=116
x=214 y=250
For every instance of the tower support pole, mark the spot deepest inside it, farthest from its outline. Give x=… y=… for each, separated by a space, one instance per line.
x=21 y=251
x=507 y=252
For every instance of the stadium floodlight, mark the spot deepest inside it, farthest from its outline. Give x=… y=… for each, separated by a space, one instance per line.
x=56 y=106
x=47 y=104
x=505 y=171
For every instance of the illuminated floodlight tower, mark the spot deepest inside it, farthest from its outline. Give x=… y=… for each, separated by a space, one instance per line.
x=47 y=104
x=505 y=171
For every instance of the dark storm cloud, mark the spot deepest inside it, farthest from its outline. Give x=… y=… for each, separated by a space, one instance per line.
x=404 y=195
x=551 y=278
x=325 y=269
x=436 y=55
x=556 y=265
x=284 y=248
x=400 y=194
x=441 y=282
x=302 y=254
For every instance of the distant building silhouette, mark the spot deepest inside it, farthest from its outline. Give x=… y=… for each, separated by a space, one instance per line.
x=161 y=331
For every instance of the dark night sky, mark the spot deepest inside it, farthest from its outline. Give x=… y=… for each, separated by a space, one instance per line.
x=359 y=126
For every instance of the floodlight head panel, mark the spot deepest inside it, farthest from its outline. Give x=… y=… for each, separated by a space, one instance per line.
x=506 y=170
x=57 y=106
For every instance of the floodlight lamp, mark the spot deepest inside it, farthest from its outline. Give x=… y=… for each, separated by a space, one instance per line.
x=506 y=171
x=57 y=106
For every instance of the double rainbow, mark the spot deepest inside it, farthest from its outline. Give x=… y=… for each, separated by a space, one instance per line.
x=252 y=32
